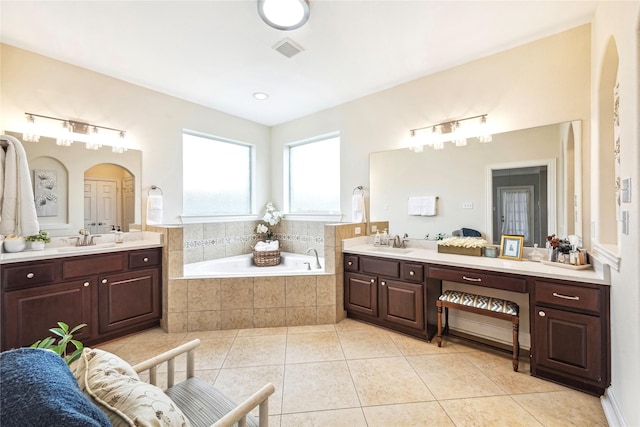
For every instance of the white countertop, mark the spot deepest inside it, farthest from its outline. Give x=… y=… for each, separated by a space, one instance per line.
x=426 y=251
x=105 y=244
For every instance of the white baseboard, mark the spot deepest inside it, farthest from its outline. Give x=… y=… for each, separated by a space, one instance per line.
x=612 y=409
x=488 y=331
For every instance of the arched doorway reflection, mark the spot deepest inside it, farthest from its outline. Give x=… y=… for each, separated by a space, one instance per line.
x=109 y=198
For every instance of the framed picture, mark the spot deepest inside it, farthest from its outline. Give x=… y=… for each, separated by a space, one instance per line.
x=511 y=247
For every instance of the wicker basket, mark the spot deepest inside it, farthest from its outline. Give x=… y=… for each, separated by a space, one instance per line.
x=266 y=258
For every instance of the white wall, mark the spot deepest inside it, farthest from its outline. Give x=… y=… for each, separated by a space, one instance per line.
x=621 y=20
x=153 y=121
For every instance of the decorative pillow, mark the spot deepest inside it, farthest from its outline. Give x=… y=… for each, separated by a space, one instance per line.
x=117 y=389
x=38 y=389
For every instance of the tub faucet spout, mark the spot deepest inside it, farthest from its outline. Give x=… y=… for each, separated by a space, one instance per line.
x=318 y=266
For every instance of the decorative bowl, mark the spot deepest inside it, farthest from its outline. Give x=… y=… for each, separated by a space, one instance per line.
x=14 y=244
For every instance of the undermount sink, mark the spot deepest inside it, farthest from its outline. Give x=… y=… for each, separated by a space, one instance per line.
x=91 y=248
x=391 y=250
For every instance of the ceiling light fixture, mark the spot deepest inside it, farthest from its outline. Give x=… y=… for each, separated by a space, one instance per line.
x=284 y=15
x=261 y=96
x=453 y=131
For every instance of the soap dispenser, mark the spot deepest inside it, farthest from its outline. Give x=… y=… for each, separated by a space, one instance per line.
x=376 y=240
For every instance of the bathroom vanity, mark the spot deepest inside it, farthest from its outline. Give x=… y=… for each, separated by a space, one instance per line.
x=115 y=291
x=569 y=310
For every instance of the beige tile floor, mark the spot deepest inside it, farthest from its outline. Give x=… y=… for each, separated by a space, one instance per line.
x=355 y=374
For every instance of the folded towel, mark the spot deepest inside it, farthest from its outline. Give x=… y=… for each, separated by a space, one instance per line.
x=358 y=209
x=273 y=245
x=154 y=209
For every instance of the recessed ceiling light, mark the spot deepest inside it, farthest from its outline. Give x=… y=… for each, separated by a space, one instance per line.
x=260 y=96
x=284 y=14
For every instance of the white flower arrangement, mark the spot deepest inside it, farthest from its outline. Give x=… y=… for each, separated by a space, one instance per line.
x=464 y=242
x=271 y=217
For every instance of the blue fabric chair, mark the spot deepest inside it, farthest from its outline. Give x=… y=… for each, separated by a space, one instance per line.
x=37 y=388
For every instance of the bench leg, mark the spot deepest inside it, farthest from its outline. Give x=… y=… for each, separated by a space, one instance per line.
x=439 y=305
x=516 y=344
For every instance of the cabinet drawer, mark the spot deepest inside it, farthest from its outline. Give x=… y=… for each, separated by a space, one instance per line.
x=92 y=265
x=383 y=267
x=150 y=258
x=412 y=272
x=473 y=277
x=351 y=262
x=27 y=275
x=576 y=297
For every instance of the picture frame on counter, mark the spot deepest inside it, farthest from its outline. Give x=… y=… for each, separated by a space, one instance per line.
x=511 y=247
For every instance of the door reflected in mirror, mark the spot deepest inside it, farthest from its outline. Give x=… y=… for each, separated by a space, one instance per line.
x=109 y=192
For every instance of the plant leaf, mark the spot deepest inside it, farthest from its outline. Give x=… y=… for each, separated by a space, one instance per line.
x=57 y=331
x=81 y=325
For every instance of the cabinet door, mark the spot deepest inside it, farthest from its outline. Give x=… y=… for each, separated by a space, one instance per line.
x=30 y=313
x=568 y=342
x=127 y=299
x=402 y=303
x=361 y=294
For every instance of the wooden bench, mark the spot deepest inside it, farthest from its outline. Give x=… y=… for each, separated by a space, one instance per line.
x=480 y=304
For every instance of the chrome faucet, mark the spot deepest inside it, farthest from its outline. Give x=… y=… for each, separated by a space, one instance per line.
x=400 y=243
x=318 y=266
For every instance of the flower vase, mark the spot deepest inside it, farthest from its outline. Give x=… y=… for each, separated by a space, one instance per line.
x=37 y=246
x=553 y=254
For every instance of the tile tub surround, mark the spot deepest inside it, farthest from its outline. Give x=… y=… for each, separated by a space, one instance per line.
x=221 y=304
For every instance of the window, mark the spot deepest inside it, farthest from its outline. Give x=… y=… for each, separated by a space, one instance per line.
x=216 y=176
x=314 y=176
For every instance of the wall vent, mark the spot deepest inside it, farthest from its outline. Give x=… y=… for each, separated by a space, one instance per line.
x=288 y=48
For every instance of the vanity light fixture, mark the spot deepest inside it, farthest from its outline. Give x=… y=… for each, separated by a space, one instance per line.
x=452 y=131
x=29 y=133
x=93 y=135
x=284 y=15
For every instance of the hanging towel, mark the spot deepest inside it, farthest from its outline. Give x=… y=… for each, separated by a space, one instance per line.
x=428 y=206
x=424 y=206
x=17 y=206
x=357 y=208
x=154 y=209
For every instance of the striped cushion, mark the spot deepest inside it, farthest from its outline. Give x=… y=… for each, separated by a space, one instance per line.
x=202 y=403
x=481 y=301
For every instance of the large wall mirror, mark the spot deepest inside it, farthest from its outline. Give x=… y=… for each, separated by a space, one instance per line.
x=523 y=182
x=76 y=188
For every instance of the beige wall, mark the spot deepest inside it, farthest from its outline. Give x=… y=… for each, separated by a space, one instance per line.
x=540 y=83
x=620 y=22
x=153 y=121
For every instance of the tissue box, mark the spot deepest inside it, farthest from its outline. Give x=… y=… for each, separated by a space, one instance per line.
x=459 y=250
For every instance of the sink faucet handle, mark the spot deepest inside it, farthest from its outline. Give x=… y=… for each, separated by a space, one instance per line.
x=77 y=238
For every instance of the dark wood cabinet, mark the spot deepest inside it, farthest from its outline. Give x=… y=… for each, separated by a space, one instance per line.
x=570 y=334
x=114 y=294
x=128 y=299
x=30 y=313
x=389 y=293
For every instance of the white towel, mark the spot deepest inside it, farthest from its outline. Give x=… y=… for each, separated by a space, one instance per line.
x=154 y=209
x=358 y=209
x=424 y=206
x=428 y=206
x=273 y=245
x=17 y=207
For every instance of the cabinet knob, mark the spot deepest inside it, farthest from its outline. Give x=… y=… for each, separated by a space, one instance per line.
x=85 y=284
x=373 y=280
x=30 y=275
x=383 y=283
x=412 y=273
x=104 y=281
x=145 y=259
x=350 y=263
x=542 y=313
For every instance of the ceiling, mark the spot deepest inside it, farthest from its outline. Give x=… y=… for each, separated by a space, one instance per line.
x=218 y=53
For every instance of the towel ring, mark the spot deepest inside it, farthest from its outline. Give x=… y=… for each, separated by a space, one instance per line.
x=155 y=187
x=359 y=187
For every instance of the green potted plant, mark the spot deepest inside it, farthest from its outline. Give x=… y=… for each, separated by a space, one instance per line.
x=38 y=240
x=65 y=338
